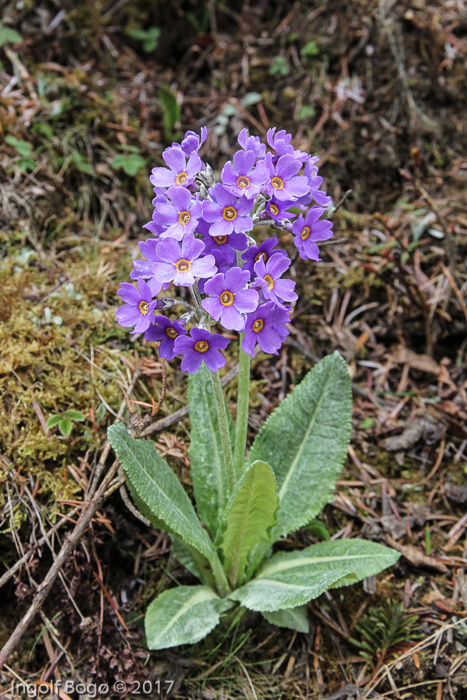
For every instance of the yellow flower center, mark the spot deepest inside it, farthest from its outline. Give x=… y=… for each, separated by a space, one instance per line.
x=269 y=281
x=243 y=181
x=229 y=213
x=258 y=325
x=181 y=177
x=306 y=230
x=277 y=183
x=220 y=240
x=227 y=298
x=143 y=306
x=171 y=332
x=183 y=265
x=274 y=209
x=201 y=346
x=261 y=255
x=184 y=217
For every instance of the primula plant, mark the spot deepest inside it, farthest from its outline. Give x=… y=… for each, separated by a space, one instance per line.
x=202 y=241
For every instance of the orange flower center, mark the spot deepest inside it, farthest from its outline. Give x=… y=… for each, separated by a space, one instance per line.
x=227 y=298
x=183 y=265
x=243 y=181
x=181 y=177
x=143 y=306
x=201 y=346
x=171 y=332
x=258 y=325
x=220 y=240
x=277 y=183
x=269 y=281
x=306 y=230
x=261 y=255
x=229 y=213
x=184 y=217
x=274 y=209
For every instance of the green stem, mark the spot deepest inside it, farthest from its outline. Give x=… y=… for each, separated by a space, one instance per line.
x=224 y=430
x=243 y=402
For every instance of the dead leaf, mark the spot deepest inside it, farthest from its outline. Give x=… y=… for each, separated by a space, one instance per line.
x=415 y=556
x=422 y=363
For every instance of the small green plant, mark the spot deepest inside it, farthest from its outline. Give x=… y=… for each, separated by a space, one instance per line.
x=170 y=112
x=65 y=421
x=130 y=162
x=310 y=50
x=279 y=66
x=149 y=38
x=24 y=151
x=9 y=36
x=382 y=630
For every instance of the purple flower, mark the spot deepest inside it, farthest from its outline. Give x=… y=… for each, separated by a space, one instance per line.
x=315 y=182
x=261 y=252
x=277 y=210
x=308 y=230
x=228 y=299
x=182 y=263
x=198 y=347
x=192 y=142
x=143 y=268
x=224 y=247
x=284 y=183
x=139 y=305
x=179 y=216
x=251 y=143
x=281 y=144
x=242 y=178
x=180 y=173
x=226 y=213
x=165 y=331
x=267 y=275
x=266 y=326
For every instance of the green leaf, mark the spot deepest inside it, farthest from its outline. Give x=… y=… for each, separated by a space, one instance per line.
x=183 y=615
x=65 y=427
x=25 y=164
x=170 y=110
x=130 y=163
x=81 y=163
x=192 y=560
x=9 y=36
x=71 y=414
x=207 y=463
x=310 y=50
x=294 y=619
x=318 y=529
x=148 y=37
x=53 y=421
x=23 y=148
x=248 y=518
x=305 y=440
x=157 y=487
x=290 y=579
x=251 y=98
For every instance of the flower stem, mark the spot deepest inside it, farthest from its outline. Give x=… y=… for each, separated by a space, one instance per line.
x=243 y=400
x=224 y=430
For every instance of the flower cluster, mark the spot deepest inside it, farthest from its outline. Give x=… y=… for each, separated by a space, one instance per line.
x=202 y=240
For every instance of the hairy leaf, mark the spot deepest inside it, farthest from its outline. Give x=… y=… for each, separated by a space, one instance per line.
x=305 y=440
x=183 y=615
x=192 y=560
x=293 y=619
x=157 y=487
x=290 y=579
x=248 y=518
x=206 y=454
